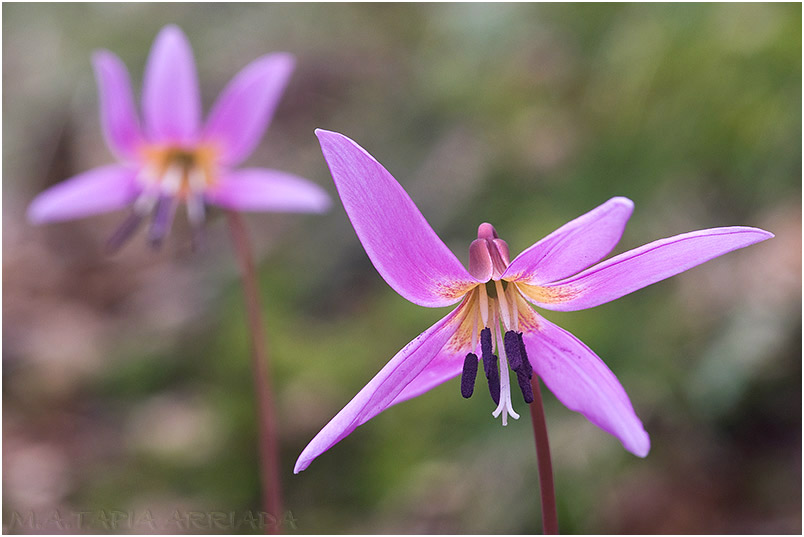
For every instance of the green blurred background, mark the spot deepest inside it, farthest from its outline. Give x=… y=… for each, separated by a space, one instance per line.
x=127 y=381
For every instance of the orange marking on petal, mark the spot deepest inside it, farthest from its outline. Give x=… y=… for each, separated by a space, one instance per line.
x=528 y=319
x=461 y=341
x=454 y=289
x=548 y=295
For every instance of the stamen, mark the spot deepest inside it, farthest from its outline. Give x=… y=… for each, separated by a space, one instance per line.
x=469 y=375
x=474 y=330
x=195 y=215
x=124 y=232
x=163 y=218
x=506 y=314
x=493 y=376
x=486 y=347
x=512 y=350
x=490 y=364
x=524 y=354
x=514 y=306
x=518 y=360
x=146 y=201
x=484 y=305
x=171 y=181
x=195 y=210
x=525 y=387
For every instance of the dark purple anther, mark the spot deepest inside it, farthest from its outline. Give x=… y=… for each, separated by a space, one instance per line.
x=524 y=354
x=163 y=218
x=124 y=232
x=490 y=364
x=513 y=350
x=469 y=375
x=493 y=376
x=486 y=348
x=518 y=360
x=525 y=386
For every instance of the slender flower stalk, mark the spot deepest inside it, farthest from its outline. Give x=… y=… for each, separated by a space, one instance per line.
x=494 y=321
x=546 y=486
x=266 y=415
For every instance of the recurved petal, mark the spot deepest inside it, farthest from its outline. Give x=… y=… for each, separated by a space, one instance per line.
x=583 y=383
x=481 y=265
x=118 y=115
x=574 y=246
x=260 y=189
x=638 y=268
x=171 y=103
x=400 y=243
x=244 y=109
x=94 y=191
x=383 y=389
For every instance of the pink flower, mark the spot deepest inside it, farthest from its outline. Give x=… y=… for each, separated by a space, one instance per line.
x=495 y=296
x=173 y=158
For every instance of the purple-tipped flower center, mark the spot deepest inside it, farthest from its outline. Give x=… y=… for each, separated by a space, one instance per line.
x=170 y=175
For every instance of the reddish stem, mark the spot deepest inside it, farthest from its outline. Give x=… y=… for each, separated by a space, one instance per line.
x=266 y=417
x=548 y=493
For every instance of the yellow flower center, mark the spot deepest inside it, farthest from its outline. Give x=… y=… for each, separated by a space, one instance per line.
x=179 y=171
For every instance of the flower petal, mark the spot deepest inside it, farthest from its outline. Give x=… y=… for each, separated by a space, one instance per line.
x=259 y=189
x=400 y=243
x=95 y=191
x=171 y=103
x=118 y=115
x=574 y=246
x=244 y=109
x=481 y=266
x=382 y=391
x=583 y=383
x=638 y=268
x=448 y=363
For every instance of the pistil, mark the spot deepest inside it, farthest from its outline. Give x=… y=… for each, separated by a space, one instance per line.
x=504 y=407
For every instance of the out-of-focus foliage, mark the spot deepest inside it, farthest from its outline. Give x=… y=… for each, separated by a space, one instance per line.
x=127 y=382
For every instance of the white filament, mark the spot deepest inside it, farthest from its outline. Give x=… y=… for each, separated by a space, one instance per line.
x=506 y=315
x=146 y=201
x=474 y=331
x=171 y=181
x=514 y=307
x=195 y=201
x=484 y=305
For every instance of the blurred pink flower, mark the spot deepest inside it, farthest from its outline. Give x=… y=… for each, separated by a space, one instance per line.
x=173 y=158
x=495 y=292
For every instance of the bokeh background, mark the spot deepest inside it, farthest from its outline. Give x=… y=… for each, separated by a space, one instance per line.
x=126 y=379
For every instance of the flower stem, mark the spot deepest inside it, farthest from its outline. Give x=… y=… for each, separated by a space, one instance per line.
x=548 y=493
x=266 y=418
